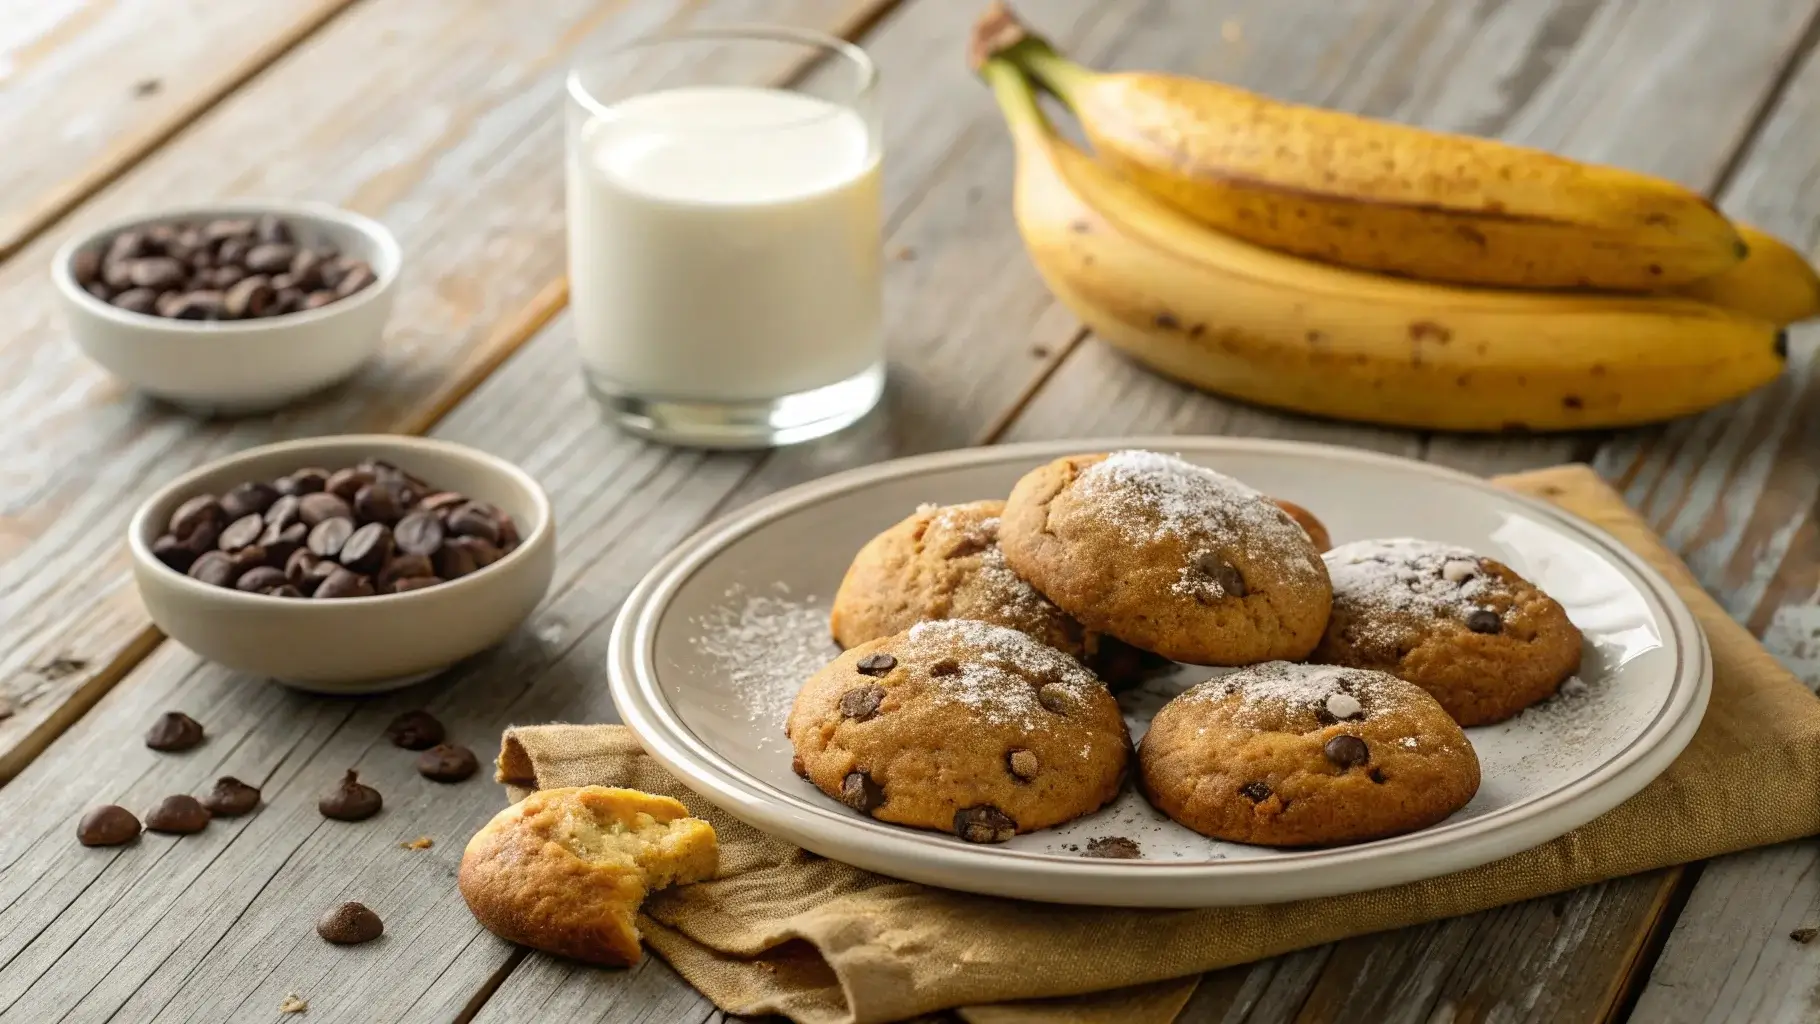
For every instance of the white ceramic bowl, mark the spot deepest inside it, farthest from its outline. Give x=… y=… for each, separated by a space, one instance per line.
x=239 y=366
x=358 y=644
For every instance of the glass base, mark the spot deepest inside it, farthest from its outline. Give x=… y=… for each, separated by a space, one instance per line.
x=759 y=423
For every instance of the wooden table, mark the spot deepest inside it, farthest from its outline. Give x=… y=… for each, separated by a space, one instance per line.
x=441 y=118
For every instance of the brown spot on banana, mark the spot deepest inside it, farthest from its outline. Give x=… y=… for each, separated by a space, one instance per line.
x=1428 y=330
x=1572 y=402
x=1167 y=321
x=1471 y=234
x=1316 y=339
x=1080 y=227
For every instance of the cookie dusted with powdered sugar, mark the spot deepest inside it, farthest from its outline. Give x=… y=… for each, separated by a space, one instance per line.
x=1482 y=640
x=1169 y=557
x=962 y=727
x=1299 y=755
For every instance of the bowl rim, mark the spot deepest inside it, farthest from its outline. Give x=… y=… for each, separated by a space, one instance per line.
x=386 y=268
x=538 y=535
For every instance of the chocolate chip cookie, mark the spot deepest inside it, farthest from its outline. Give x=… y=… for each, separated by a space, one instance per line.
x=1300 y=755
x=962 y=727
x=1482 y=640
x=1169 y=557
x=944 y=562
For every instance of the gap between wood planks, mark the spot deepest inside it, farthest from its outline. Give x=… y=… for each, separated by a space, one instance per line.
x=506 y=340
x=113 y=166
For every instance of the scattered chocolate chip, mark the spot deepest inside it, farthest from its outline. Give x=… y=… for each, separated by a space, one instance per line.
x=447 y=762
x=107 y=825
x=1346 y=750
x=1484 y=620
x=1804 y=935
x=984 y=824
x=1022 y=763
x=174 y=731
x=1054 y=698
x=352 y=800
x=414 y=730
x=180 y=814
x=1255 y=791
x=876 y=664
x=350 y=925
x=1377 y=776
x=862 y=702
x=1113 y=848
x=231 y=798
x=859 y=792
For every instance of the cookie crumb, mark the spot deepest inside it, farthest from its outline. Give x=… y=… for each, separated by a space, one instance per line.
x=1804 y=935
x=420 y=843
x=294 y=1003
x=1113 y=848
x=1573 y=687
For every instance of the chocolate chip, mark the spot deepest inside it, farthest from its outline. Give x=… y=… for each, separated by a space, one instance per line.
x=327 y=537
x=367 y=548
x=201 y=510
x=1113 y=848
x=414 y=730
x=1377 y=776
x=876 y=664
x=241 y=533
x=1054 y=698
x=859 y=792
x=380 y=502
x=419 y=533
x=1484 y=620
x=342 y=583
x=248 y=499
x=346 y=483
x=1255 y=791
x=797 y=766
x=1804 y=935
x=472 y=520
x=180 y=814
x=984 y=824
x=447 y=762
x=260 y=579
x=174 y=731
x=321 y=506
x=216 y=568
x=107 y=825
x=1022 y=763
x=861 y=702
x=231 y=798
x=352 y=800
x=350 y=925
x=1224 y=573
x=1346 y=750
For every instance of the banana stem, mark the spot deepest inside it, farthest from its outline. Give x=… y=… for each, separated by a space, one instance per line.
x=999 y=34
x=1016 y=96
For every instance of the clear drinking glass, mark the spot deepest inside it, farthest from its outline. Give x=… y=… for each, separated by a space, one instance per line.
x=724 y=239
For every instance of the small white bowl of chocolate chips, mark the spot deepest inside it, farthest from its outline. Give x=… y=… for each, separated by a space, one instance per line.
x=231 y=309
x=349 y=564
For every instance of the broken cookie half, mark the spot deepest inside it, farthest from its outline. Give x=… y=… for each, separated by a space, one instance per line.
x=565 y=869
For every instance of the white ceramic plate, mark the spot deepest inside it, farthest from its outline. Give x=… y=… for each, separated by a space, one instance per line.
x=710 y=648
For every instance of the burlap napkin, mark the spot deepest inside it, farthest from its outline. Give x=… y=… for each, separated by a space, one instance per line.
x=784 y=931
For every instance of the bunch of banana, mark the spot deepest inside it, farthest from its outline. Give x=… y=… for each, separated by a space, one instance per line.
x=1247 y=247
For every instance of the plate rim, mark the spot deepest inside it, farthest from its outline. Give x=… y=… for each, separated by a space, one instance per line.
x=883 y=847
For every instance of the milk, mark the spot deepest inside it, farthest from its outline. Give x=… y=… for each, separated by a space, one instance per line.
x=724 y=245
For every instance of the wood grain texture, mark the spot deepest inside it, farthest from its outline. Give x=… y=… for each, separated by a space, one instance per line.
x=443 y=119
x=94 y=87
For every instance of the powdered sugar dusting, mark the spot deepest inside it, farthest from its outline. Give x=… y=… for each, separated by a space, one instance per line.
x=999 y=672
x=1149 y=496
x=1267 y=689
x=1406 y=576
x=766 y=645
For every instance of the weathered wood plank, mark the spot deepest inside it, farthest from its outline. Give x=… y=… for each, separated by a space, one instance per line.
x=440 y=117
x=90 y=88
x=1545 y=74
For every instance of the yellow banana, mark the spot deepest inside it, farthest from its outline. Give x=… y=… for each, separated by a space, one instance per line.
x=1229 y=316
x=1377 y=195
x=1774 y=283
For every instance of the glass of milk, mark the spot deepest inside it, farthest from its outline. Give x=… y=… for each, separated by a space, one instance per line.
x=724 y=239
